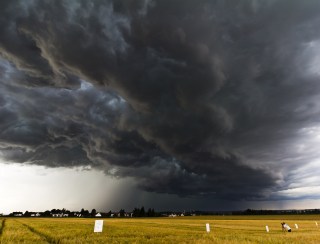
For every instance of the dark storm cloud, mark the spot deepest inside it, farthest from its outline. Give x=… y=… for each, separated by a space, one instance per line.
x=187 y=97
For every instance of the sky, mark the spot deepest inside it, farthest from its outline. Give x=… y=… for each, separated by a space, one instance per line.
x=168 y=104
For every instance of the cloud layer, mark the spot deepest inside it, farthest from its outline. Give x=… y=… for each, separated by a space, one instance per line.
x=206 y=98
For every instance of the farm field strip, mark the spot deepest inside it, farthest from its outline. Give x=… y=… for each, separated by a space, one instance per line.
x=235 y=225
x=60 y=230
x=15 y=232
x=159 y=230
x=314 y=217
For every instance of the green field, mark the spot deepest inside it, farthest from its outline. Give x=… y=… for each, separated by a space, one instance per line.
x=224 y=229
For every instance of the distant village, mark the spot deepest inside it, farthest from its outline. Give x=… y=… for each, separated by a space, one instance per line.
x=63 y=213
x=141 y=212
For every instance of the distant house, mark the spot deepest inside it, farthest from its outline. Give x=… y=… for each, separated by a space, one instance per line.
x=17 y=214
x=98 y=215
x=172 y=215
x=35 y=214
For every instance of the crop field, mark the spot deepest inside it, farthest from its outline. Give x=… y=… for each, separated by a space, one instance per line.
x=224 y=229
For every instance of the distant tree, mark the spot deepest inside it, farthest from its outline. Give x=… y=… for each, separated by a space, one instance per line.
x=27 y=214
x=151 y=212
x=122 y=213
x=142 y=212
x=46 y=213
x=136 y=212
x=84 y=213
x=93 y=212
x=109 y=214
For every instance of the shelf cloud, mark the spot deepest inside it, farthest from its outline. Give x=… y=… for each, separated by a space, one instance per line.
x=203 y=98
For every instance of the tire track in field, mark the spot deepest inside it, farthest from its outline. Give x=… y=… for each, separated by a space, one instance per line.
x=3 y=224
x=46 y=237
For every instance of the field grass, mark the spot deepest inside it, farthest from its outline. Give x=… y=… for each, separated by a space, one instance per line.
x=224 y=229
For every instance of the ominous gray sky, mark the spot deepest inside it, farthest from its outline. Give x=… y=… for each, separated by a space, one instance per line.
x=205 y=101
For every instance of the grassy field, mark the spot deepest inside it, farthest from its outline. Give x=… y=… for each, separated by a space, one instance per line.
x=224 y=229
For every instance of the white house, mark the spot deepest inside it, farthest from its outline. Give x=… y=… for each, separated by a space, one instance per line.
x=98 y=215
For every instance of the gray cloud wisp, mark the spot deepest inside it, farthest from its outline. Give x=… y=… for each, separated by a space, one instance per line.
x=190 y=98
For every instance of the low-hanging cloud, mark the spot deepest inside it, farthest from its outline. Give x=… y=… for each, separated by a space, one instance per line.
x=188 y=98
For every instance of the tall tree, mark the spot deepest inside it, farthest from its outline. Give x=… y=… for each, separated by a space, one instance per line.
x=93 y=212
x=142 y=212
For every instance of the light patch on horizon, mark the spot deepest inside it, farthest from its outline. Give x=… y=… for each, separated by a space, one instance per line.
x=312 y=192
x=303 y=182
x=40 y=188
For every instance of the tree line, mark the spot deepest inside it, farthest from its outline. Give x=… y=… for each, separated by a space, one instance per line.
x=137 y=212
x=142 y=212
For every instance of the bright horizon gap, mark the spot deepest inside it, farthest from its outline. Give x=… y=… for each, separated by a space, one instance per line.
x=62 y=195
